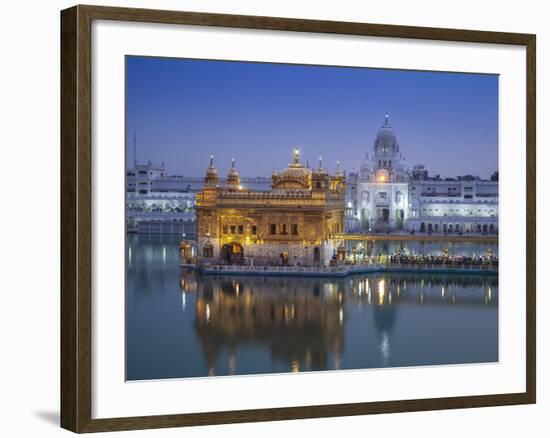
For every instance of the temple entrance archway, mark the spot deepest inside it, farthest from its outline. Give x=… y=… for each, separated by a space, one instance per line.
x=316 y=255
x=232 y=253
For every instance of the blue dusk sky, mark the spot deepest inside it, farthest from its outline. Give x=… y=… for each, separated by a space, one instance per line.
x=182 y=111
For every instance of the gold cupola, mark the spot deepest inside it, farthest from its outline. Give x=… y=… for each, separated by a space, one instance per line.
x=233 y=180
x=319 y=177
x=212 y=178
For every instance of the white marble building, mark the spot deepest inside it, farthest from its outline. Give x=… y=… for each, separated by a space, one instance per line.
x=378 y=195
x=386 y=195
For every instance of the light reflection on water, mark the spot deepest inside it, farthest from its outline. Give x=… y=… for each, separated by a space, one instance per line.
x=181 y=324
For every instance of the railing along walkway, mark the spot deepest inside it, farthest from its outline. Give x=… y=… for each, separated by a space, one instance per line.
x=343 y=270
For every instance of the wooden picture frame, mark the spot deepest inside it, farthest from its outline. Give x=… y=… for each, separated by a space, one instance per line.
x=76 y=217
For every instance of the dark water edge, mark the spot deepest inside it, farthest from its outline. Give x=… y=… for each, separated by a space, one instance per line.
x=182 y=324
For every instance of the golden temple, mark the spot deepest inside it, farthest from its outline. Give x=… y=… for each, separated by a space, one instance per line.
x=298 y=222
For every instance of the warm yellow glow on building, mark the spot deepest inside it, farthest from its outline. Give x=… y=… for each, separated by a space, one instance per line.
x=296 y=222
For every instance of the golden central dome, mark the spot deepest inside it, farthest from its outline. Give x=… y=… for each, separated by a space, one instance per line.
x=295 y=176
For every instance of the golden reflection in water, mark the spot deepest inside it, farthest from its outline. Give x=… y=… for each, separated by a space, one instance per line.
x=381 y=291
x=302 y=321
x=207 y=313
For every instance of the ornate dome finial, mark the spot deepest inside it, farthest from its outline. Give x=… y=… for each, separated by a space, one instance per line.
x=387 y=120
x=320 y=163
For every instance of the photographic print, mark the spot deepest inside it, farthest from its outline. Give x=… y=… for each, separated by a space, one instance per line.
x=289 y=218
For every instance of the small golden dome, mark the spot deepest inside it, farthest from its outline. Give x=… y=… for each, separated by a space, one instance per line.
x=211 y=179
x=233 y=180
x=233 y=173
x=211 y=171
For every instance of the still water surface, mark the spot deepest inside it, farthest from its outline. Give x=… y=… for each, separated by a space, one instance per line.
x=181 y=324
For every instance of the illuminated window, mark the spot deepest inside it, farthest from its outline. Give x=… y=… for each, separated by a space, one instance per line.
x=294 y=229
x=284 y=229
x=233 y=228
x=254 y=229
x=241 y=229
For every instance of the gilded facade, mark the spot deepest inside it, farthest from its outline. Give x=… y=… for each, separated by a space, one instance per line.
x=297 y=222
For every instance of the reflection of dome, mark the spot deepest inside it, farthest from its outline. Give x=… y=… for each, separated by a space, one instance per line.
x=299 y=326
x=386 y=137
x=295 y=176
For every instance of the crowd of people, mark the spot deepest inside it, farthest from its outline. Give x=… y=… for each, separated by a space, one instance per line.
x=444 y=259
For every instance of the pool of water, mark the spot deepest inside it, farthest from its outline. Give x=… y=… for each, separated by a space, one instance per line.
x=183 y=324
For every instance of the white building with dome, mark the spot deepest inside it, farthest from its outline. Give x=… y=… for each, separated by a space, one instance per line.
x=386 y=195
